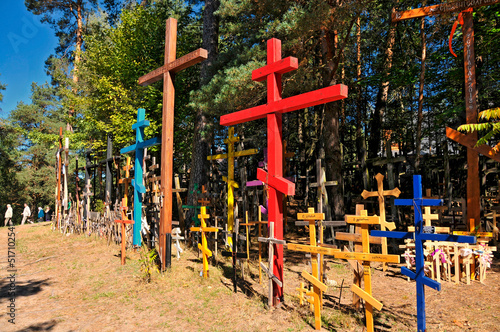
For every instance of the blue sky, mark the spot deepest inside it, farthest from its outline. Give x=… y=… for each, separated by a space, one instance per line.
x=25 y=44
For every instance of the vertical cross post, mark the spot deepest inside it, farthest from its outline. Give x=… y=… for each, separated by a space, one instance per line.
x=272 y=111
x=138 y=182
x=419 y=235
x=170 y=67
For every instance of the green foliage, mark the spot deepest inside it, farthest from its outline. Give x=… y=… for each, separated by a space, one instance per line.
x=488 y=129
x=148 y=262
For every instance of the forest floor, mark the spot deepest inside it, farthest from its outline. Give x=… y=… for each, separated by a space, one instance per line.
x=76 y=283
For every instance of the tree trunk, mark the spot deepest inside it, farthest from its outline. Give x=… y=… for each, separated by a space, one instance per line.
x=360 y=139
x=331 y=137
x=200 y=138
x=381 y=103
x=420 y=116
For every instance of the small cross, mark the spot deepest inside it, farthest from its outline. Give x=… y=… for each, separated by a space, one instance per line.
x=203 y=246
x=380 y=193
x=124 y=220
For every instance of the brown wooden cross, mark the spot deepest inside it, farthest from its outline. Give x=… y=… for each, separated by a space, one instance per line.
x=380 y=193
x=166 y=72
x=127 y=180
x=124 y=220
x=465 y=7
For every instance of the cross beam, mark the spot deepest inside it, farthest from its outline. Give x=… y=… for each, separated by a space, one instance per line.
x=170 y=67
x=124 y=220
x=138 y=182
x=231 y=184
x=272 y=111
x=419 y=276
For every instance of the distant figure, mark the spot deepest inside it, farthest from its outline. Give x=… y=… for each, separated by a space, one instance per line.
x=8 y=215
x=48 y=214
x=41 y=214
x=26 y=214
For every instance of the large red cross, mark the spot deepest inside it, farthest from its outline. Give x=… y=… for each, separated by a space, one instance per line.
x=273 y=111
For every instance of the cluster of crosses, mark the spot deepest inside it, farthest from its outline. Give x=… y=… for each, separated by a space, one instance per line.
x=278 y=185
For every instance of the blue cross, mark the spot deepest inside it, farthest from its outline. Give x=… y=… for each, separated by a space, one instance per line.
x=419 y=236
x=138 y=182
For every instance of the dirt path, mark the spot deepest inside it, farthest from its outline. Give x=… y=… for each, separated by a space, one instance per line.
x=76 y=283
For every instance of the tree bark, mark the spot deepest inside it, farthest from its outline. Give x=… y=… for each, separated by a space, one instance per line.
x=381 y=103
x=201 y=135
x=420 y=115
x=360 y=114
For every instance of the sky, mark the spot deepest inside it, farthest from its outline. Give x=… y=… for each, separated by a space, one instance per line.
x=25 y=44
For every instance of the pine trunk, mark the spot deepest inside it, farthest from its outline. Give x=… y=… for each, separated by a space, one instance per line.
x=201 y=135
x=381 y=103
x=420 y=115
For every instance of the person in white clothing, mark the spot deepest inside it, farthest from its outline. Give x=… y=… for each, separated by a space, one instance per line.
x=26 y=214
x=8 y=215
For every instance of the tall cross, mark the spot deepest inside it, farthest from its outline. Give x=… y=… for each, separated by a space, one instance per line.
x=272 y=111
x=170 y=67
x=421 y=235
x=231 y=184
x=380 y=193
x=138 y=182
x=466 y=16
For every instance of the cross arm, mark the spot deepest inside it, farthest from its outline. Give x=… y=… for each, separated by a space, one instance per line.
x=278 y=182
x=456 y=6
x=271 y=240
x=366 y=296
x=448 y=238
x=421 y=278
x=271 y=275
x=150 y=142
x=174 y=67
x=470 y=142
x=308 y=99
x=279 y=67
x=393 y=235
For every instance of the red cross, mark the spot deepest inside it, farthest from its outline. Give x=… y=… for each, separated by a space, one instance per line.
x=273 y=112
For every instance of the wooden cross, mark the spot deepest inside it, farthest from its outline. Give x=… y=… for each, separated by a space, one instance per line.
x=127 y=179
x=420 y=235
x=364 y=221
x=138 y=182
x=231 y=184
x=124 y=220
x=235 y=255
x=381 y=193
x=357 y=239
x=109 y=176
x=272 y=111
x=466 y=9
x=88 y=166
x=203 y=246
x=269 y=270
x=170 y=67
x=317 y=285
